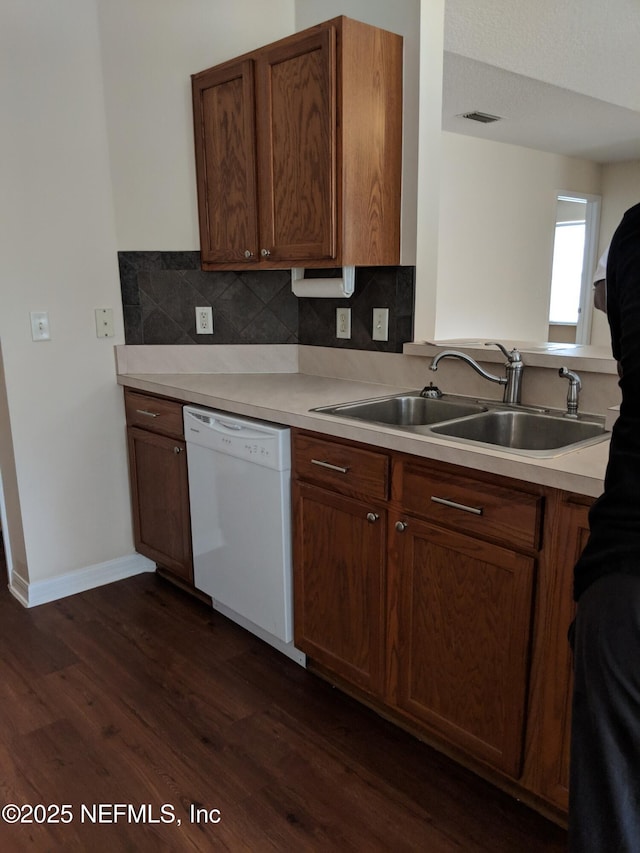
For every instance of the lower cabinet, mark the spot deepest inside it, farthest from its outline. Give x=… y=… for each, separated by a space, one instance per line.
x=462 y=631
x=340 y=555
x=442 y=596
x=159 y=482
x=571 y=533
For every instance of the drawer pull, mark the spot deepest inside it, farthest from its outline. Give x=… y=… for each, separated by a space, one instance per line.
x=476 y=510
x=147 y=414
x=401 y=526
x=372 y=517
x=331 y=467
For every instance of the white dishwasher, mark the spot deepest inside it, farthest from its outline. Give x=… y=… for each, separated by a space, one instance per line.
x=240 y=494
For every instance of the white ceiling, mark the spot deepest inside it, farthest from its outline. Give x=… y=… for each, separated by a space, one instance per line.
x=564 y=76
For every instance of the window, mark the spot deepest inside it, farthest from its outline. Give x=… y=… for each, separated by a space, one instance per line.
x=576 y=237
x=566 y=275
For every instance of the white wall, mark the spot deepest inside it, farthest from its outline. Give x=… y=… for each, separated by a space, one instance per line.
x=497 y=216
x=620 y=191
x=58 y=250
x=149 y=50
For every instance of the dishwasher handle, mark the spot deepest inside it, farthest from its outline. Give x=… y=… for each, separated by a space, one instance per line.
x=210 y=420
x=224 y=426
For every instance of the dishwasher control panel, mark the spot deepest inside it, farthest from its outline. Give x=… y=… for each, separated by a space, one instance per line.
x=256 y=441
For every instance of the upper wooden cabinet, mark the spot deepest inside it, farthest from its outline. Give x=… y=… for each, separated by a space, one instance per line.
x=224 y=118
x=298 y=151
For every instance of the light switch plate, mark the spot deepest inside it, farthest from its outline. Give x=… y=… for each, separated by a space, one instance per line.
x=380 y=331
x=343 y=322
x=40 y=330
x=104 y=323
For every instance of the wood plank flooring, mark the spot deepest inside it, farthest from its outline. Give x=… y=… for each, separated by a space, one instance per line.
x=136 y=693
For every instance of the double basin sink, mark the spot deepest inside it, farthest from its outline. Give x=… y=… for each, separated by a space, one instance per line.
x=518 y=429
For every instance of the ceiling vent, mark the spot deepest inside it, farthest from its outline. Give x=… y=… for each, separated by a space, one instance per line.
x=483 y=118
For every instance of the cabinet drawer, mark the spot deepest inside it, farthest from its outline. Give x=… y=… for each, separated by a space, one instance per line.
x=475 y=506
x=154 y=413
x=341 y=467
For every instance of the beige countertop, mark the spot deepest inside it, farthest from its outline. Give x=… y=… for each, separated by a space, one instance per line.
x=287 y=398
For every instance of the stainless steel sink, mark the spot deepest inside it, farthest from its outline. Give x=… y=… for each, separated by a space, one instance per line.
x=528 y=432
x=405 y=410
x=525 y=431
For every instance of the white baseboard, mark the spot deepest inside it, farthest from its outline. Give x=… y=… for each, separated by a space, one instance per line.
x=51 y=589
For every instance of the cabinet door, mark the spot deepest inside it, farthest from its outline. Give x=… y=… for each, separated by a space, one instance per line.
x=572 y=532
x=224 y=126
x=160 y=498
x=461 y=623
x=297 y=148
x=339 y=560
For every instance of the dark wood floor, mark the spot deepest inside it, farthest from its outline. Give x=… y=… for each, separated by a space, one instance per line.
x=135 y=693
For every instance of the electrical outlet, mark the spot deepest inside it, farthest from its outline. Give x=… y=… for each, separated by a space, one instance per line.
x=380 y=331
x=343 y=322
x=204 y=321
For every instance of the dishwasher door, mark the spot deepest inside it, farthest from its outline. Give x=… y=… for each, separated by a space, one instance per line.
x=239 y=487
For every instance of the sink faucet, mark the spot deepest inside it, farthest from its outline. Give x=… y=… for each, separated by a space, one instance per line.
x=572 y=393
x=512 y=381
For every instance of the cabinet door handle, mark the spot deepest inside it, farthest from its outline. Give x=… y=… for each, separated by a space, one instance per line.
x=401 y=526
x=265 y=253
x=476 y=510
x=177 y=450
x=372 y=517
x=331 y=467
x=248 y=254
x=147 y=414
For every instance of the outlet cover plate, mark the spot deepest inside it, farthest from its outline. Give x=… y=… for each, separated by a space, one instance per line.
x=204 y=320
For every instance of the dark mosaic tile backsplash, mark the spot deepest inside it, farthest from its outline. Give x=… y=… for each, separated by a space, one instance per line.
x=160 y=291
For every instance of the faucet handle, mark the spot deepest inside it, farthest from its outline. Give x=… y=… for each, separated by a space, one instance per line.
x=511 y=357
